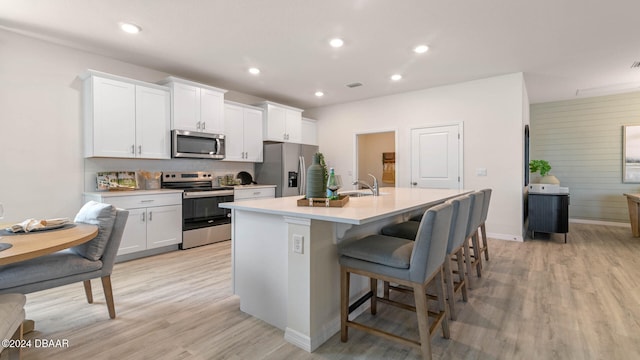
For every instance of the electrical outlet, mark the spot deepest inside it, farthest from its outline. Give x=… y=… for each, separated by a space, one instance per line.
x=481 y=172
x=298 y=244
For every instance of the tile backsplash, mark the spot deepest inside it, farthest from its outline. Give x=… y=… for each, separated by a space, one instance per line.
x=218 y=168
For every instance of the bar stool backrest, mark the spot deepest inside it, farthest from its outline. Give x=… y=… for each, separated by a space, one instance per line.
x=430 y=246
x=485 y=205
x=475 y=213
x=459 y=222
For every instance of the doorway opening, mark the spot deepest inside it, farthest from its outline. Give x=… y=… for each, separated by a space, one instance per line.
x=375 y=154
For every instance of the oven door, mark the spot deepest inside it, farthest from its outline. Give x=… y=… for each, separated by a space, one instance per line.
x=200 y=209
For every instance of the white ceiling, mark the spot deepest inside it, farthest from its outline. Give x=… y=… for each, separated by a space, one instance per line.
x=559 y=45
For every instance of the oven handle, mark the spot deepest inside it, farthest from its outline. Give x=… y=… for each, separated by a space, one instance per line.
x=203 y=194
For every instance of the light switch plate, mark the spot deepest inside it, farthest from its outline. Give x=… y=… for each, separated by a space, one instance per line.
x=481 y=171
x=298 y=244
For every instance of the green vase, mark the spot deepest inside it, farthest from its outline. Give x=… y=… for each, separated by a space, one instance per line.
x=315 y=179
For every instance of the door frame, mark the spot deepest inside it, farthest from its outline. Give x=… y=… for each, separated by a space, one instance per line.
x=354 y=172
x=460 y=125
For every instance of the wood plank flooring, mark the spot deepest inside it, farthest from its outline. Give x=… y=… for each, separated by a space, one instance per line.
x=541 y=299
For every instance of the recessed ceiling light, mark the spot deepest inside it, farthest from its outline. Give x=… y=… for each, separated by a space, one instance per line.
x=421 y=49
x=130 y=28
x=254 y=71
x=319 y=94
x=336 y=43
x=396 y=77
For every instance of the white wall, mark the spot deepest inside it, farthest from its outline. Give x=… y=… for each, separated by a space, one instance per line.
x=491 y=111
x=41 y=164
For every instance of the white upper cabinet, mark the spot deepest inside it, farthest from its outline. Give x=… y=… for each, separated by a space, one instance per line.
x=281 y=122
x=243 y=133
x=196 y=107
x=125 y=118
x=309 y=132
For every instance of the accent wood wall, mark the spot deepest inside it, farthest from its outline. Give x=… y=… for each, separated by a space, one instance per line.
x=582 y=140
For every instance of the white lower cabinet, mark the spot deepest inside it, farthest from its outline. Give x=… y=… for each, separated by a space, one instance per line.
x=155 y=220
x=252 y=193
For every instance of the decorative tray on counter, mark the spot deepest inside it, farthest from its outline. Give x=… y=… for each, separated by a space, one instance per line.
x=324 y=202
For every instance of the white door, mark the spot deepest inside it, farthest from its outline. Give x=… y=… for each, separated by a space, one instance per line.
x=186 y=107
x=436 y=157
x=134 y=237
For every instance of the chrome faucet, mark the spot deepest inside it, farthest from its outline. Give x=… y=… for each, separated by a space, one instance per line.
x=374 y=189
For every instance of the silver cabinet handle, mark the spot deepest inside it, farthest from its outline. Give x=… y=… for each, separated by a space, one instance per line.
x=144 y=217
x=139 y=149
x=133 y=149
x=204 y=125
x=150 y=215
x=198 y=125
x=147 y=201
x=414 y=183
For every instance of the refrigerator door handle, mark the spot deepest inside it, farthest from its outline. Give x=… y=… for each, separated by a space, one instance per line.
x=303 y=181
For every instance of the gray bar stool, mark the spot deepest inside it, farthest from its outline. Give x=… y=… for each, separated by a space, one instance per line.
x=475 y=214
x=484 y=247
x=414 y=264
x=457 y=236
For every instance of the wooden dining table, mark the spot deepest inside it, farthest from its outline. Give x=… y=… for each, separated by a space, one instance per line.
x=25 y=246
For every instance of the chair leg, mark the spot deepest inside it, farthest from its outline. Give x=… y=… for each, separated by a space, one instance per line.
x=485 y=247
x=461 y=275
x=87 y=291
x=108 y=294
x=344 y=304
x=374 y=298
x=442 y=305
x=477 y=254
x=423 y=320
x=448 y=277
x=385 y=290
x=467 y=260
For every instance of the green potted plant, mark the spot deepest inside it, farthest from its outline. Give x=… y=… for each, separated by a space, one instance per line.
x=543 y=167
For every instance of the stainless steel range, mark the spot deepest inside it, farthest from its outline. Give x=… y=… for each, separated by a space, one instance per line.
x=203 y=222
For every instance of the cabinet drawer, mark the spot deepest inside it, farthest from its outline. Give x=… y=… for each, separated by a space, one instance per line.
x=246 y=194
x=140 y=201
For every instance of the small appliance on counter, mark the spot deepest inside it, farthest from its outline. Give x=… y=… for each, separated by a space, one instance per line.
x=245 y=178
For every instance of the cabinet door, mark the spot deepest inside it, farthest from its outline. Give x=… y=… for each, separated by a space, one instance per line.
x=152 y=123
x=134 y=237
x=253 y=135
x=309 y=132
x=186 y=107
x=211 y=111
x=234 y=133
x=275 y=123
x=294 y=126
x=164 y=226
x=114 y=118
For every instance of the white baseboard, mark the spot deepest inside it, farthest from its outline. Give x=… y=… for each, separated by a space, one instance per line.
x=509 y=237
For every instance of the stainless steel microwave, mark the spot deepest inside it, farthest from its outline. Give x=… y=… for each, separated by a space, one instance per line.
x=196 y=145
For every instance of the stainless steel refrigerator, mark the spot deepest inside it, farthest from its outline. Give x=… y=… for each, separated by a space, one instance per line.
x=285 y=165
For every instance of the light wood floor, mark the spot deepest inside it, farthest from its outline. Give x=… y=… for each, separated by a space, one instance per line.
x=540 y=299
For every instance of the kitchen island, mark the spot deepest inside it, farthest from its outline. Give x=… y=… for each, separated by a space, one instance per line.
x=285 y=258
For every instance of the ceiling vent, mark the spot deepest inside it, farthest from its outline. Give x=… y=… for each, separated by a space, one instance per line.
x=635 y=65
x=354 y=85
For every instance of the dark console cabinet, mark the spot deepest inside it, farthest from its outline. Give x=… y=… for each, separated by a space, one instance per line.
x=548 y=213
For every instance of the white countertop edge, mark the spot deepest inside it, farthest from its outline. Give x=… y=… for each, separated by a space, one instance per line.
x=253 y=186
x=132 y=192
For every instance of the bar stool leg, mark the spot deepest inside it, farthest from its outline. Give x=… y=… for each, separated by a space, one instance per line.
x=442 y=305
x=374 y=299
x=448 y=276
x=419 y=292
x=477 y=254
x=461 y=274
x=485 y=248
x=344 y=304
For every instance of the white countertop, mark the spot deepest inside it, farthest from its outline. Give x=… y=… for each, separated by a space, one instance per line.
x=359 y=210
x=132 y=192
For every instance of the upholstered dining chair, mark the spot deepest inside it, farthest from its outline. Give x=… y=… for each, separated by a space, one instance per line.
x=414 y=264
x=91 y=260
